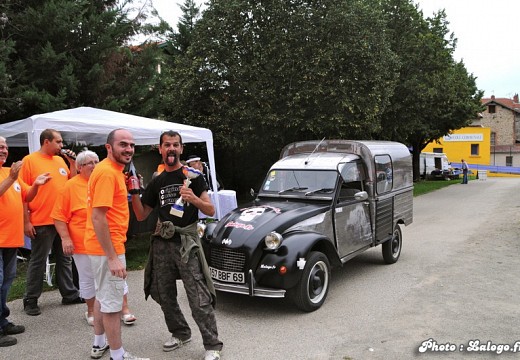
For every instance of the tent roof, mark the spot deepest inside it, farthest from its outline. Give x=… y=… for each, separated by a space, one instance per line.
x=90 y=126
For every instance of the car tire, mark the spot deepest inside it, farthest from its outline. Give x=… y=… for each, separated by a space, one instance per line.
x=310 y=292
x=392 y=248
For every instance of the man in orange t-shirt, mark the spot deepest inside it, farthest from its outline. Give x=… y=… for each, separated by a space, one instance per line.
x=39 y=225
x=105 y=237
x=12 y=194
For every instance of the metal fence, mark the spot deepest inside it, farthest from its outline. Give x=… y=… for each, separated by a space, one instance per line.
x=491 y=168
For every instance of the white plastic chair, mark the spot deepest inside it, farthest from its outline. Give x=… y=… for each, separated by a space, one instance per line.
x=49 y=271
x=49 y=267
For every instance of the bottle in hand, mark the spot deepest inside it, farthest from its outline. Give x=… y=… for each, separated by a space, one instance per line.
x=134 y=184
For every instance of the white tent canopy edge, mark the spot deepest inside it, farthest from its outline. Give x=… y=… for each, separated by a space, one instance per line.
x=90 y=126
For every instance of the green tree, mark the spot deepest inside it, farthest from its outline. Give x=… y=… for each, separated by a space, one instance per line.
x=7 y=85
x=71 y=53
x=434 y=94
x=182 y=38
x=261 y=74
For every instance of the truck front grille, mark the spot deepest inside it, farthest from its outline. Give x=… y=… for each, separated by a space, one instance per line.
x=227 y=259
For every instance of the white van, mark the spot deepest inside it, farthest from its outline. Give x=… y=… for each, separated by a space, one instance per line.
x=436 y=166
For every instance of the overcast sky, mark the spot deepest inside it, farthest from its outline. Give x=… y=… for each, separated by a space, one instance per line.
x=487 y=33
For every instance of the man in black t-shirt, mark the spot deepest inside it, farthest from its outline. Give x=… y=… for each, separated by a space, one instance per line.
x=164 y=190
x=175 y=249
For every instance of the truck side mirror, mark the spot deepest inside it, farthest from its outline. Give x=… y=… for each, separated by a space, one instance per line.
x=361 y=196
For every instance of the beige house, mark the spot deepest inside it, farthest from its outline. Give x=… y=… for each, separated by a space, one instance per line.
x=502 y=116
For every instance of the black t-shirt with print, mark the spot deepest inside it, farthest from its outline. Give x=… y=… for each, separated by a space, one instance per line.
x=163 y=191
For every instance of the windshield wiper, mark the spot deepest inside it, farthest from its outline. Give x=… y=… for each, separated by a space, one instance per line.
x=325 y=190
x=296 y=188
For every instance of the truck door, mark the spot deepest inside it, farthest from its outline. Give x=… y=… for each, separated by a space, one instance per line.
x=352 y=216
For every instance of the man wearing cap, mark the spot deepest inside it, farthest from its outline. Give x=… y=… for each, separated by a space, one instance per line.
x=195 y=162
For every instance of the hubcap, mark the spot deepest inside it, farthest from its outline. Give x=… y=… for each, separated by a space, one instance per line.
x=318 y=282
x=396 y=244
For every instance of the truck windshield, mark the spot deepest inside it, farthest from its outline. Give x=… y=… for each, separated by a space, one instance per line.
x=299 y=182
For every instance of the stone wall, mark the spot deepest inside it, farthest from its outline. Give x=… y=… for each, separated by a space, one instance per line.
x=502 y=123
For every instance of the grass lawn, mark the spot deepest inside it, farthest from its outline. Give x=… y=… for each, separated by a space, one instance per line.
x=137 y=247
x=136 y=255
x=427 y=186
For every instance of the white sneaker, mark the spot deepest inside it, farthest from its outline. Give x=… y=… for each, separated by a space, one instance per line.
x=174 y=343
x=98 y=352
x=128 y=356
x=212 y=355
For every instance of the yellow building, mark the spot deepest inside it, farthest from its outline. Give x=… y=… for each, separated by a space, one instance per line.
x=472 y=144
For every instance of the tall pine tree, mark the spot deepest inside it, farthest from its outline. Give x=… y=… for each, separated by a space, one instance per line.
x=71 y=53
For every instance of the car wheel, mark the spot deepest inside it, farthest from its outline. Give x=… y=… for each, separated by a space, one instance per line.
x=311 y=291
x=392 y=248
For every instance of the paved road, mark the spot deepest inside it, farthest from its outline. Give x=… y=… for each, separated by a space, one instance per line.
x=457 y=280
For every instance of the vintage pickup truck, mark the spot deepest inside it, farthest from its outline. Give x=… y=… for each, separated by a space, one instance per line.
x=320 y=205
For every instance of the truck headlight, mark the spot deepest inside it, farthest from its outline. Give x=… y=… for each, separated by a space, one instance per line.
x=201 y=229
x=273 y=240
x=209 y=230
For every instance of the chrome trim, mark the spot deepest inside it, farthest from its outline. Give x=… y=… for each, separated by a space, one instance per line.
x=352 y=255
x=251 y=283
x=249 y=289
x=278 y=237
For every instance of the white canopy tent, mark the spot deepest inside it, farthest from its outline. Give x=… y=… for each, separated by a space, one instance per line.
x=90 y=126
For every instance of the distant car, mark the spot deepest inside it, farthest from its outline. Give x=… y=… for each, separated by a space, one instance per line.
x=319 y=206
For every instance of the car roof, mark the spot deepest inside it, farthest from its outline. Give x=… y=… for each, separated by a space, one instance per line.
x=315 y=161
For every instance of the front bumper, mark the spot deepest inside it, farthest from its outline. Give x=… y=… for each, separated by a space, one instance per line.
x=249 y=289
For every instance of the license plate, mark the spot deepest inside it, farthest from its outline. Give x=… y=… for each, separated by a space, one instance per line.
x=227 y=276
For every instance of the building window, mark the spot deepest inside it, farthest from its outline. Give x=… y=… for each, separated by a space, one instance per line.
x=492 y=139
x=437 y=150
x=509 y=161
x=492 y=109
x=474 y=150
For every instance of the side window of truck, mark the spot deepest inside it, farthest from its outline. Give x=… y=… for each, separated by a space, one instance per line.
x=353 y=175
x=384 y=173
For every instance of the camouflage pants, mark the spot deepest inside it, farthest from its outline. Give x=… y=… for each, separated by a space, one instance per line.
x=167 y=267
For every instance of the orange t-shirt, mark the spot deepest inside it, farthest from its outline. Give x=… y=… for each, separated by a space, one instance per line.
x=107 y=188
x=11 y=213
x=36 y=164
x=71 y=208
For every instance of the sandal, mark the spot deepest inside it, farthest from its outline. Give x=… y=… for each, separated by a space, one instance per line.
x=128 y=319
x=90 y=319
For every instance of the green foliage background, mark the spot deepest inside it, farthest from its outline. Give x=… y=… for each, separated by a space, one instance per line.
x=259 y=74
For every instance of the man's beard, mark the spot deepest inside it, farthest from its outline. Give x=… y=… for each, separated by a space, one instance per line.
x=120 y=158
